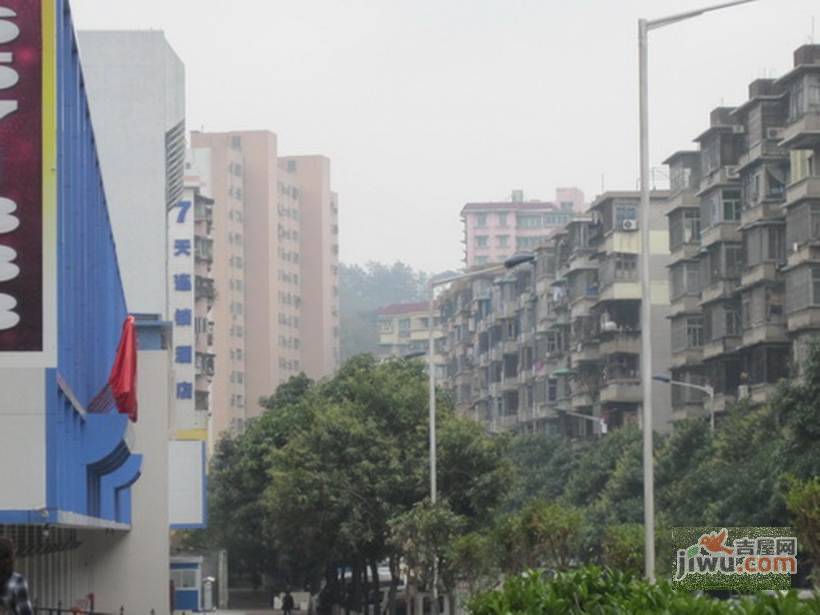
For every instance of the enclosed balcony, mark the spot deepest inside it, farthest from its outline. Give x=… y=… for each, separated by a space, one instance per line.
x=803 y=297
x=722 y=329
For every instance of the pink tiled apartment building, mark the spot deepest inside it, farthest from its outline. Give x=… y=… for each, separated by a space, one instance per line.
x=495 y=230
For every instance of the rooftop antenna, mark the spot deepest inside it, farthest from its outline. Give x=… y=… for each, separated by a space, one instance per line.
x=811 y=36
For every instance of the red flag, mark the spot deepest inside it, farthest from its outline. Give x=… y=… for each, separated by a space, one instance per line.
x=121 y=389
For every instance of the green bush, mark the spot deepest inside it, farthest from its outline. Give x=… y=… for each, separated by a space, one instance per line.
x=603 y=591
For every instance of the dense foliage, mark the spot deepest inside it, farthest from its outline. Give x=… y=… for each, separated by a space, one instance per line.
x=329 y=481
x=604 y=591
x=759 y=468
x=364 y=289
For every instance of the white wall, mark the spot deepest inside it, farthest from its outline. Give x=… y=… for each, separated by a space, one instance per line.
x=185 y=485
x=23 y=438
x=136 y=91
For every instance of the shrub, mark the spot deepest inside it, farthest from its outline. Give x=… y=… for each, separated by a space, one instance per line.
x=603 y=591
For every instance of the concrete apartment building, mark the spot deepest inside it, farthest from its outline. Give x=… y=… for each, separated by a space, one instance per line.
x=555 y=345
x=403 y=329
x=275 y=267
x=494 y=231
x=743 y=231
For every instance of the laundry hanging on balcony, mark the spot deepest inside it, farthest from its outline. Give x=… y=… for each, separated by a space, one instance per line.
x=121 y=388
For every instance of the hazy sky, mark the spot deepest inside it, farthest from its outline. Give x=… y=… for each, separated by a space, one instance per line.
x=423 y=105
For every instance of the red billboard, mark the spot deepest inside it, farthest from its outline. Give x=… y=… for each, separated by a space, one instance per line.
x=21 y=176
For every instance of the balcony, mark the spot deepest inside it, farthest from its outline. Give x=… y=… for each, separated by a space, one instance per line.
x=765 y=332
x=762 y=272
x=582 y=399
x=721 y=232
x=620 y=290
x=765 y=148
x=621 y=391
x=202 y=401
x=804 y=133
x=769 y=209
x=507 y=421
x=803 y=189
x=585 y=353
x=686 y=357
x=806 y=318
x=625 y=242
x=509 y=384
x=205 y=363
x=718 y=290
x=724 y=345
x=623 y=342
x=726 y=175
x=204 y=249
x=581 y=307
x=579 y=261
x=685 y=304
x=205 y=288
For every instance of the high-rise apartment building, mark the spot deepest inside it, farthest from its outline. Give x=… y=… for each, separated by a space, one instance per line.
x=493 y=231
x=555 y=345
x=319 y=228
x=743 y=231
x=275 y=266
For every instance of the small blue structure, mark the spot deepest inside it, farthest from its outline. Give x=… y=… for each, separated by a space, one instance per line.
x=186 y=575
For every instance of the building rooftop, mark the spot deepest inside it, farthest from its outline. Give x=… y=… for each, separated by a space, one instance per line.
x=511 y=205
x=395 y=309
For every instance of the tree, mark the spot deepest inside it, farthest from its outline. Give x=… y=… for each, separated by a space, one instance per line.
x=473 y=560
x=803 y=501
x=422 y=536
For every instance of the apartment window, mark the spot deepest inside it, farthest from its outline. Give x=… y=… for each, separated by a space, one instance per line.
x=731 y=205
x=481 y=241
x=685 y=279
x=481 y=260
x=502 y=219
x=481 y=220
x=626 y=265
x=694 y=332
x=404 y=324
x=687 y=333
x=236 y=142
x=291 y=165
x=552 y=389
x=529 y=221
x=503 y=241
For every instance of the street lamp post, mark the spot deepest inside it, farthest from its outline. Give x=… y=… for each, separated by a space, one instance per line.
x=644 y=26
x=510 y=263
x=705 y=388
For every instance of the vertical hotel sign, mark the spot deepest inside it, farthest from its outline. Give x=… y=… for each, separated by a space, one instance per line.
x=26 y=183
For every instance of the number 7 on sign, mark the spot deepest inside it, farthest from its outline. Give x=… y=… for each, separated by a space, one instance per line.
x=184 y=206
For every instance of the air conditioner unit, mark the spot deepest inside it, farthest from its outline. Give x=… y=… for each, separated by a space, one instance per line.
x=774 y=133
x=732 y=172
x=629 y=225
